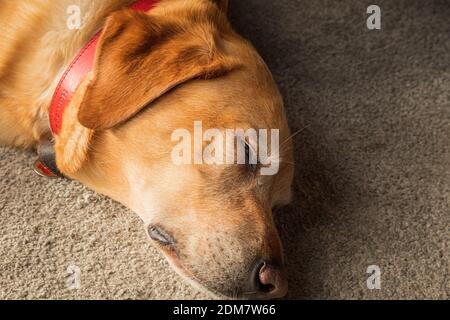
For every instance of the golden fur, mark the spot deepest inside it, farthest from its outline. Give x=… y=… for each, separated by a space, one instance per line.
x=154 y=73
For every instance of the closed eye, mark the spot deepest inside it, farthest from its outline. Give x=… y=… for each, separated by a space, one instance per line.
x=251 y=160
x=160 y=236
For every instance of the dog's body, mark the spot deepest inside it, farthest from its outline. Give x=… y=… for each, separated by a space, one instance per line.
x=219 y=230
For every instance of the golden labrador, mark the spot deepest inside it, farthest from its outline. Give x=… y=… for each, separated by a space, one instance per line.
x=155 y=72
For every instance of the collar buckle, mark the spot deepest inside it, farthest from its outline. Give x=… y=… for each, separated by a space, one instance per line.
x=43 y=171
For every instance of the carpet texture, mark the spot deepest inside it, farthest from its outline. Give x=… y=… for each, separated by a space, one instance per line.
x=373 y=168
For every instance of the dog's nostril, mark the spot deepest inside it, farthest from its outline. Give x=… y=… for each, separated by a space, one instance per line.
x=259 y=285
x=269 y=280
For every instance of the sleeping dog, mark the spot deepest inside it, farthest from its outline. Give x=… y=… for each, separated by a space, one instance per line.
x=143 y=70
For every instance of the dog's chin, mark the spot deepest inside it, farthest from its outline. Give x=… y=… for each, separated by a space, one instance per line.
x=214 y=295
x=191 y=280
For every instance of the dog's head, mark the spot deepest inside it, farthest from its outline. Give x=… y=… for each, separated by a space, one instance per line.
x=156 y=77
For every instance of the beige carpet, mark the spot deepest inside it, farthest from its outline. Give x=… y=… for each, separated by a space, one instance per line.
x=373 y=173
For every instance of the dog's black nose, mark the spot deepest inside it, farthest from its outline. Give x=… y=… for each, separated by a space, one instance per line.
x=268 y=281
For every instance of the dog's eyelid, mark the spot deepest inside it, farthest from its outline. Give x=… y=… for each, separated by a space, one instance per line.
x=250 y=154
x=159 y=235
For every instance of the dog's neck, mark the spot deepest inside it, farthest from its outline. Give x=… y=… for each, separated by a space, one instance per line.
x=72 y=77
x=78 y=69
x=39 y=45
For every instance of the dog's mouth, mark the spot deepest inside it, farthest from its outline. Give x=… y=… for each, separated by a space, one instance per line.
x=264 y=281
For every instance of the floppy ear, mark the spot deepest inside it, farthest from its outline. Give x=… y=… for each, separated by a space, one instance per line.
x=141 y=57
x=74 y=140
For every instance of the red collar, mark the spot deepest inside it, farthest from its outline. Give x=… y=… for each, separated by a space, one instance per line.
x=80 y=66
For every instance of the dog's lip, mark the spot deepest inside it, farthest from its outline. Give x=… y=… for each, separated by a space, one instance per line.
x=179 y=266
x=173 y=258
